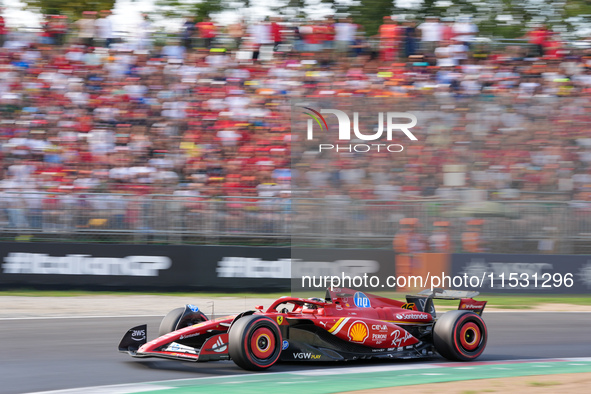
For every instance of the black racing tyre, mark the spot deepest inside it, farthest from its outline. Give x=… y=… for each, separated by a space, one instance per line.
x=172 y=319
x=254 y=342
x=460 y=335
x=168 y=324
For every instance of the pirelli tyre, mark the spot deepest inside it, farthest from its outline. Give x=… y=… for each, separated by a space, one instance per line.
x=179 y=318
x=254 y=342
x=460 y=335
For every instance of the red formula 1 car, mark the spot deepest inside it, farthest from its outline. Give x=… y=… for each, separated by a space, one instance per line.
x=346 y=325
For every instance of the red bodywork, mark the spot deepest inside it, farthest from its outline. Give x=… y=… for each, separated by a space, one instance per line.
x=378 y=325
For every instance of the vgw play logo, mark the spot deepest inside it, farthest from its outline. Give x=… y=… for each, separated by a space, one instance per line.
x=345 y=128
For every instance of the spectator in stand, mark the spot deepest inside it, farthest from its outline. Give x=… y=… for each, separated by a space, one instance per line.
x=86 y=28
x=408 y=240
x=328 y=34
x=538 y=37
x=552 y=47
x=447 y=30
x=59 y=29
x=409 y=37
x=207 y=32
x=188 y=32
x=144 y=33
x=345 y=32
x=312 y=35
x=472 y=240
x=46 y=35
x=261 y=35
x=388 y=39
x=276 y=33
x=465 y=31
x=440 y=240
x=431 y=33
x=3 y=30
x=236 y=32
x=104 y=27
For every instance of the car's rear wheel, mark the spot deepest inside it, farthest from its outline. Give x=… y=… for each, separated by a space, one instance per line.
x=460 y=335
x=254 y=342
x=177 y=319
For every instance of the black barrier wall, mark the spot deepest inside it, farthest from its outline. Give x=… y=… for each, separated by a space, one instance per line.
x=143 y=267
x=234 y=268
x=172 y=267
x=524 y=273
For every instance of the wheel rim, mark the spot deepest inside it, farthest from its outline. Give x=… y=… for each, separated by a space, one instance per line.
x=470 y=336
x=262 y=343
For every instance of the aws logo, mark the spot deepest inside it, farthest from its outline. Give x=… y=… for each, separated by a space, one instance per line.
x=138 y=335
x=358 y=332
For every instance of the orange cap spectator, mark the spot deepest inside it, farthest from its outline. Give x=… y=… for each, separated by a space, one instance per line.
x=409 y=221
x=475 y=222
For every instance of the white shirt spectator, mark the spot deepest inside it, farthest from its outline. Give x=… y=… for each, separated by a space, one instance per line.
x=119 y=173
x=85 y=27
x=317 y=178
x=464 y=30
x=387 y=192
x=268 y=189
x=345 y=31
x=161 y=162
x=75 y=55
x=104 y=28
x=352 y=176
x=430 y=31
x=101 y=141
x=143 y=174
x=228 y=137
x=135 y=91
x=261 y=33
x=173 y=51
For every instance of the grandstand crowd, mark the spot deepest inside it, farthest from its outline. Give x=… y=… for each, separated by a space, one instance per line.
x=207 y=113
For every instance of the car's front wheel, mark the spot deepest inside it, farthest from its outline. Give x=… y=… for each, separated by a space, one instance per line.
x=179 y=318
x=254 y=342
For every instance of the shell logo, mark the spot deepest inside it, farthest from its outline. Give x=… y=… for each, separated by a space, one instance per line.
x=358 y=332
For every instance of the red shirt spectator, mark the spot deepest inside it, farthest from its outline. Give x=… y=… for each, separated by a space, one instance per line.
x=276 y=32
x=206 y=29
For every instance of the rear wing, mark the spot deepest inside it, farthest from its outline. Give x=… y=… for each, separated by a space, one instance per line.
x=441 y=294
x=423 y=301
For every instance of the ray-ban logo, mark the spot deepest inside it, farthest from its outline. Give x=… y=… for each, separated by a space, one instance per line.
x=391 y=125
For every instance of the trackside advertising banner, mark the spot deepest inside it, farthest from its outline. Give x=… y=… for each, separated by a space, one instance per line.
x=224 y=268
x=522 y=273
x=175 y=267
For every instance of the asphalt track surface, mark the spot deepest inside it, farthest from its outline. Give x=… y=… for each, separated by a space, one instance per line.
x=51 y=354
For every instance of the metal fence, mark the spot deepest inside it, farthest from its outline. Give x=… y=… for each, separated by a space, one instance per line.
x=520 y=227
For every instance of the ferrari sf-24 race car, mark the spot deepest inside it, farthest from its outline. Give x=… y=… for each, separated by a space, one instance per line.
x=346 y=325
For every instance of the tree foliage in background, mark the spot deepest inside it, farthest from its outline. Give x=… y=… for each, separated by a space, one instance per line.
x=498 y=18
x=69 y=7
x=192 y=8
x=370 y=14
x=519 y=15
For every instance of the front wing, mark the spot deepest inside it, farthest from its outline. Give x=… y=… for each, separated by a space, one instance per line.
x=206 y=341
